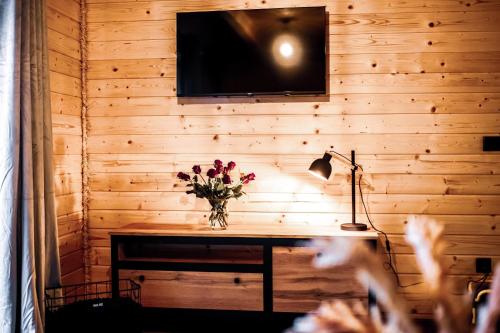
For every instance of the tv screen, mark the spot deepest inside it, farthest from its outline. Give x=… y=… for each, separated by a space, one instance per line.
x=250 y=52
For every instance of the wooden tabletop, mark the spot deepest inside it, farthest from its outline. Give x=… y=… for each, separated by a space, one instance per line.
x=254 y=231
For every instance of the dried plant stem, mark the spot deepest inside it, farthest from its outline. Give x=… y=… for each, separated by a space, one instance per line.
x=489 y=317
x=371 y=273
x=426 y=237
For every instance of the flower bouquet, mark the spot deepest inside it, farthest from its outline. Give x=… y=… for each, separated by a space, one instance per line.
x=218 y=188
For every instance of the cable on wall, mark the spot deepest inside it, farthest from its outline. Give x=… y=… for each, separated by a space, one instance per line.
x=390 y=263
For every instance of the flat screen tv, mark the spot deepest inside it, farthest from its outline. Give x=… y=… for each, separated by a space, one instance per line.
x=252 y=52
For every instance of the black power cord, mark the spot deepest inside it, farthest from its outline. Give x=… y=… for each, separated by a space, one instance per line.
x=481 y=280
x=390 y=253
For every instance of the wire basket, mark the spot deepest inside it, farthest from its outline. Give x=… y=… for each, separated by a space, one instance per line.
x=55 y=298
x=90 y=307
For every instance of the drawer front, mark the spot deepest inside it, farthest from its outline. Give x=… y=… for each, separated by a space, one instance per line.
x=199 y=290
x=299 y=287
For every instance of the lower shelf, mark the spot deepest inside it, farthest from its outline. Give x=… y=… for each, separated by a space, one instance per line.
x=199 y=290
x=195 y=321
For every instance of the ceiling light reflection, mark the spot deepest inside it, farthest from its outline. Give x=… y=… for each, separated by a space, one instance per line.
x=287 y=50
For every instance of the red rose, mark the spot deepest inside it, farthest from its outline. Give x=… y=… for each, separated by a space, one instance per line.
x=219 y=169
x=196 y=169
x=212 y=173
x=183 y=176
x=231 y=165
x=217 y=163
x=226 y=179
x=246 y=179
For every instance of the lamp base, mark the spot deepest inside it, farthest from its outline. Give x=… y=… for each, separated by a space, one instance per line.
x=354 y=226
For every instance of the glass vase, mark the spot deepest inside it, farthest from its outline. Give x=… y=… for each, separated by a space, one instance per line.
x=218 y=215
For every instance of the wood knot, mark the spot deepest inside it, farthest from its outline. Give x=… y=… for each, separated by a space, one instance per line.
x=129 y=142
x=429 y=43
x=216 y=137
x=115 y=69
x=431 y=25
x=350 y=7
x=427 y=151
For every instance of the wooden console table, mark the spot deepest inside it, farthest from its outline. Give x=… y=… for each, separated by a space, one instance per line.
x=246 y=268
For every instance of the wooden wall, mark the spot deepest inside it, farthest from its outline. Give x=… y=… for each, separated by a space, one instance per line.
x=63 y=18
x=413 y=87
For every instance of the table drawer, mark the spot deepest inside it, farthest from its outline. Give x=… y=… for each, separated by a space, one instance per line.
x=199 y=290
x=299 y=287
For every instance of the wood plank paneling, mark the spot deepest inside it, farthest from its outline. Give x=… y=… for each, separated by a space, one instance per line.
x=312 y=124
x=63 y=18
x=309 y=203
x=65 y=84
x=274 y=182
x=67 y=144
x=453 y=62
x=64 y=104
x=69 y=223
x=355 y=44
x=68 y=183
x=392 y=223
x=387 y=103
x=429 y=164
x=66 y=124
x=71 y=8
x=63 y=44
x=65 y=163
x=64 y=64
x=338 y=24
x=68 y=203
x=60 y=22
x=413 y=87
x=345 y=84
x=287 y=144
x=130 y=10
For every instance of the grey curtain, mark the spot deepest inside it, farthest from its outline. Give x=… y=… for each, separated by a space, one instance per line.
x=29 y=256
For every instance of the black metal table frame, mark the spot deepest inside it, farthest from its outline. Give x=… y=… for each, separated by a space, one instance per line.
x=266 y=268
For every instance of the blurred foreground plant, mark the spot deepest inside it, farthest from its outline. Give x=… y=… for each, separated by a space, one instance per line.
x=391 y=314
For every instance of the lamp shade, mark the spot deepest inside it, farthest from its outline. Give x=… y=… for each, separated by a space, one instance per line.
x=321 y=167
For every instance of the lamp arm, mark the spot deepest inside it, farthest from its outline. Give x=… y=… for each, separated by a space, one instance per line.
x=346 y=158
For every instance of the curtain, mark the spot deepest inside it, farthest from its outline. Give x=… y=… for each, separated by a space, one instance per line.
x=28 y=228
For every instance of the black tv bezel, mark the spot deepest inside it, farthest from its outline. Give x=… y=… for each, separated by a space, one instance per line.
x=258 y=93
